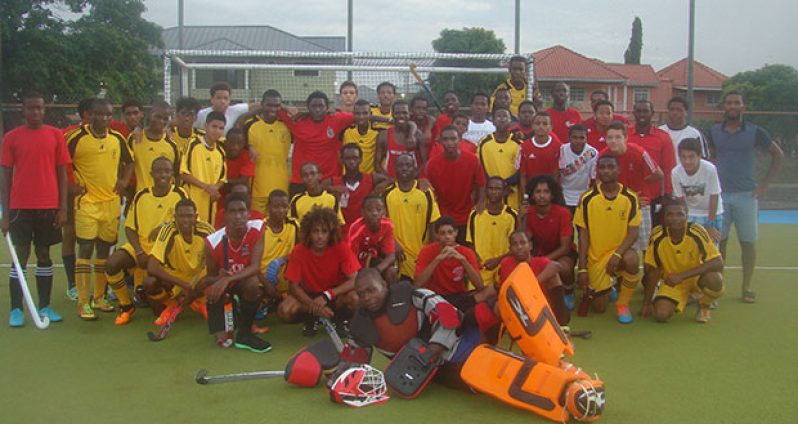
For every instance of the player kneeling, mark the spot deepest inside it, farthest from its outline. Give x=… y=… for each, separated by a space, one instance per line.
x=685 y=258
x=178 y=261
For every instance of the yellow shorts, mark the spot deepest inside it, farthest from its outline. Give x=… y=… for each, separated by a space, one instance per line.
x=489 y=277
x=184 y=277
x=600 y=280
x=138 y=273
x=408 y=267
x=97 y=220
x=680 y=293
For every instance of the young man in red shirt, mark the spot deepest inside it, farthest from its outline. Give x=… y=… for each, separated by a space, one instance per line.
x=321 y=273
x=233 y=261
x=419 y=113
x=657 y=143
x=458 y=180
x=540 y=155
x=451 y=107
x=525 y=129
x=460 y=123
x=548 y=224
x=445 y=267
x=240 y=171
x=637 y=171
x=33 y=190
x=596 y=97
x=598 y=123
x=562 y=116
x=403 y=138
x=371 y=239
x=354 y=186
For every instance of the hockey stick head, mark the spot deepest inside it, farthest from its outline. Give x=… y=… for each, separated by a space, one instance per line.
x=200 y=377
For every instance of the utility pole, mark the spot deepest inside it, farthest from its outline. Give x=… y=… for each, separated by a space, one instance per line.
x=517 y=26
x=180 y=46
x=349 y=31
x=690 y=62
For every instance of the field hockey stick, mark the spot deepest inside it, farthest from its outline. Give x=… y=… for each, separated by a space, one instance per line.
x=425 y=86
x=121 y=227
x=41 y=322
x=164 y=331
x=202 y=376
x=330 y=329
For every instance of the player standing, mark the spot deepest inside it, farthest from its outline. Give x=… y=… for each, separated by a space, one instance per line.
x=500 y=153
x=488 y=230
x=577 y=166
x=562 y=116
x=203 y=169
x=516 y=84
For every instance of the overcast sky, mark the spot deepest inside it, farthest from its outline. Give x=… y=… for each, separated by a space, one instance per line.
x=731 y=35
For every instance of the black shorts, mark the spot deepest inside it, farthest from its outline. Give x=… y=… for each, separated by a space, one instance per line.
x=36 y=225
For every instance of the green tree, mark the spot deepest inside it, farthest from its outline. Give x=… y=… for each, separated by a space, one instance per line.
x=67 y=60
x=467 y=40
x=772 y=88
x=635 y=50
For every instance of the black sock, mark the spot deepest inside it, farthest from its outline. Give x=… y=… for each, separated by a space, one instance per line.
x=247 y=316
x=69 y=270
x=557 y=303
x=14 y=289
x=44 y=282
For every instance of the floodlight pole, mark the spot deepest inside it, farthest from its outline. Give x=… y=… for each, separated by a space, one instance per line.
x=180 y=22
x=517 y=26
x=349 y=30
x=690 y=62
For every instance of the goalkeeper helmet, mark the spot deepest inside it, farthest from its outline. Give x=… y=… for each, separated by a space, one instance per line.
x=359 y=385
x=584 y=399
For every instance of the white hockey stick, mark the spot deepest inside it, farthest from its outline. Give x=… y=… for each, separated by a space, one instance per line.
x=41 y=322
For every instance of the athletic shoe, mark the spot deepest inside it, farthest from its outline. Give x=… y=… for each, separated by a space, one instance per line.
x=86 y=313
x=164 y=316
x=624 y=315
x=201 y=307
x=16 y=318
x=124 y=315
x=715 y=304
x=613 y=294
x=139 y=302
x=249 y=341
x=702 y=315
x=311 y=327
x=749 y=296
x=72 y=294
x=262 y=312
x=50 y=313
x=102 y=305
x=570 y=301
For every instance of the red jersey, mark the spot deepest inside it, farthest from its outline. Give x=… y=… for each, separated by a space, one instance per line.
x=547 y=231
x=317 y=273
x=595 y=137
x=440 y=123
x=454 y=181
x=317 y=142
x=120 y=127
x=463 y=145
x=539 y=159
x=33 y=155
x=508 y=264
x=238 y=257
x=561 y=121
x=659 y=146
x=636 y=165
x=394 y=151
x=449 y=275
x=366 y=244
x=242 y=166
x=351 y=201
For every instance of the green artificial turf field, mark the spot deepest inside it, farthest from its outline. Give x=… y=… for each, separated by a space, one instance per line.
x=736 y=369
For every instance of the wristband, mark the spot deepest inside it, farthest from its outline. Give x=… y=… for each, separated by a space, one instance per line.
x=617 y=254
x=581 y=270
x=329 y=295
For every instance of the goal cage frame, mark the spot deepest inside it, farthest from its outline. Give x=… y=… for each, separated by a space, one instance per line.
x=257 y=71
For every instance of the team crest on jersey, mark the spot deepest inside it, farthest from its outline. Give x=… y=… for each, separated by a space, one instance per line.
x=330 y=132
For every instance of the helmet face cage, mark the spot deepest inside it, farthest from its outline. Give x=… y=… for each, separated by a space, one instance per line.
x=359 y=385
x=586 y=401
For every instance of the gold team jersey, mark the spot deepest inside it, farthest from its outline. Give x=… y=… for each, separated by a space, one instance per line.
x=180 y=258
x=367 y=143
x=303 y=202
x=272 y=143
x=375 y=111
x=183 y=142
x=517 y=95
x=148 y=212
x=146 y=151
x=489 y=233
x=695 y=248
x=207 y=165
x=278 y=245
x=606 y=220
x=412 y=212
x=96 y=162
x=501 y=160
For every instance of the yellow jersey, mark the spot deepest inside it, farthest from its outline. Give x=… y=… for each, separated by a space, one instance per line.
x=695 y=248
x=272 y=143
x=375 y=111
x=96 y=162
x=412 y=212
x=278 y=245
x=367 y=143
x=206 y=164
x=148 y=212
x=183 y=142
x=303 y=202
x=606 y=220
x=146 y=151
x=180 y=258
x=517 y=95
x=501 y=159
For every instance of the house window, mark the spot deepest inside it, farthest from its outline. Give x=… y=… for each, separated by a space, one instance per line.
x=577 y=95
x=713 y=99
x=206 y=77
x=641 y=94
x=301 y=73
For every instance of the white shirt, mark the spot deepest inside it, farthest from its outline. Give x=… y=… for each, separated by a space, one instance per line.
x=697 y=188
x=231 y=115
x=687 y=132
x=576 y=171
x=478 y=130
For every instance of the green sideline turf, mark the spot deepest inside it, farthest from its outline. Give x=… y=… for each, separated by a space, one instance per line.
x=739 y=368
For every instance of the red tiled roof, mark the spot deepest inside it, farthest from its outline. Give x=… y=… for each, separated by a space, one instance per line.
x=561 y=63
x=636 y=74
x=704 y=76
